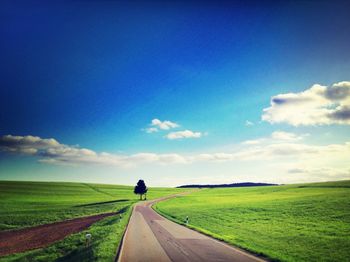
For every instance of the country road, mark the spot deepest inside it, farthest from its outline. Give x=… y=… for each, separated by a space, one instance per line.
x=151 y=237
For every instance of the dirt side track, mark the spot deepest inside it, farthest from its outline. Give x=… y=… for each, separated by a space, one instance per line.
x=21 y=240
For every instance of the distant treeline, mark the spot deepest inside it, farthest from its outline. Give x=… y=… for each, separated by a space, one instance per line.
x=246 y=184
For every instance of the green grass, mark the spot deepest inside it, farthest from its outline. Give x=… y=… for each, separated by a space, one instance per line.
x=306 y=222
x=26 y=204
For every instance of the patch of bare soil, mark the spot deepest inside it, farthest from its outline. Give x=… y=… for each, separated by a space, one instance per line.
x=21 y=240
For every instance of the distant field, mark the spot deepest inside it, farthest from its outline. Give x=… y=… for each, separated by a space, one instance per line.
x=26 y=204
x=306 y=222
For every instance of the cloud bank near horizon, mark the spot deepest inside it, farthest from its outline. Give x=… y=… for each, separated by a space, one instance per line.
x=282 y=147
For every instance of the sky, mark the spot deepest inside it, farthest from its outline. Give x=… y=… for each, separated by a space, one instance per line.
x=175 y=92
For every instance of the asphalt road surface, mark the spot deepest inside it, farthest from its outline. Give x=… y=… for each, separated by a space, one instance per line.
x=151 y=237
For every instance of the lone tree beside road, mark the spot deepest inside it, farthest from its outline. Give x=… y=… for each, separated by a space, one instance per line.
x=141 y=189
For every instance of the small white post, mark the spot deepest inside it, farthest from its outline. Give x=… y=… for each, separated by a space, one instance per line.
x=88 y=239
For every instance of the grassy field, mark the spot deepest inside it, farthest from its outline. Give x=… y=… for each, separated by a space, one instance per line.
x=306 y=222
x=26 y=204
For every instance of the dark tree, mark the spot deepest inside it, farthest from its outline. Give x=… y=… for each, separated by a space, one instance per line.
x=140 y=189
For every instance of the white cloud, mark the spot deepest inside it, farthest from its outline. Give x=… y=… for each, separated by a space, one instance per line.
x=183 y=134
x=248 y=123
x=213 y=157
x=164 y=125
x=276 y=137
x=321 y=173
x=157 y=125
x=296 y=158
x=26 y=144
x=281 y=135
x=49 y=150
x=151 y=130
x=253 y=141
x=296 y=170
x=52 y=152
x=318 y=105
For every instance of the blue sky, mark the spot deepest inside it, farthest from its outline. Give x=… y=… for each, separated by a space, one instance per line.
x=95 y=74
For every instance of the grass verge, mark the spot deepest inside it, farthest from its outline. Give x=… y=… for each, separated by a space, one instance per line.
x=307 y=222
x=106 y=235
x=27 y=204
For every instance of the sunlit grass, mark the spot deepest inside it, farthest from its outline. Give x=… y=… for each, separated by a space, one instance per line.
x=25 y=204
x=309 y=222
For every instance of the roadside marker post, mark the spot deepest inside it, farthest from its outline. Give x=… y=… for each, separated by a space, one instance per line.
x=88 y=237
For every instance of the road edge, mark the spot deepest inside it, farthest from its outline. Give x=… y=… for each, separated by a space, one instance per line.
x=121 y=243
